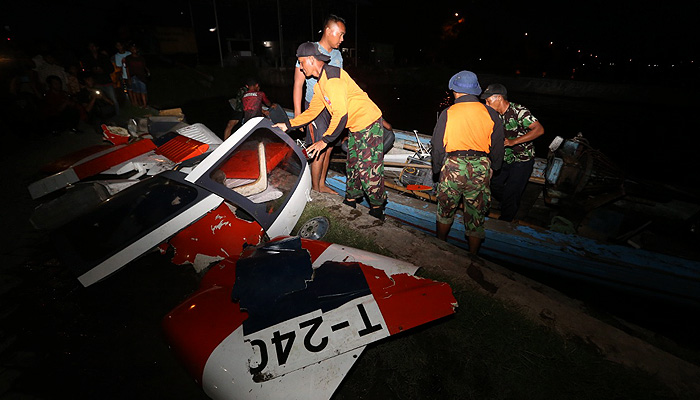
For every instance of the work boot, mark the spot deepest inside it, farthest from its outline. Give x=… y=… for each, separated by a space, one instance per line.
x=348 y=202
x=377 y=212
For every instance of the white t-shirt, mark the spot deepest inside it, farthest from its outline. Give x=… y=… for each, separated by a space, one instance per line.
x=119 y=61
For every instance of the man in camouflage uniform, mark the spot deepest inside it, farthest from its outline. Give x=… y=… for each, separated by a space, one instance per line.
x=521 y=128
x=467 y=144
x=349 y=106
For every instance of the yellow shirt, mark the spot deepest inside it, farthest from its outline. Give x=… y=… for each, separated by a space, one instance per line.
x=348 y=105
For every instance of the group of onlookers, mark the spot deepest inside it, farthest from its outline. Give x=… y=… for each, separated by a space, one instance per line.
x=51 y=96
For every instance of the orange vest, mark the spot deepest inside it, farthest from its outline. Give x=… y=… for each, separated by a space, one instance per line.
x=469 y=127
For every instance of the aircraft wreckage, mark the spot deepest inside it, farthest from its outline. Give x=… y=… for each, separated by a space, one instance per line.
x=275 y=316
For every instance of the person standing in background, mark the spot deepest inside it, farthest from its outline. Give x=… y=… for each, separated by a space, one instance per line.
x=118 y=59
x=100 y=66
x=138 y=73
x=521 y=128
x=333 y=35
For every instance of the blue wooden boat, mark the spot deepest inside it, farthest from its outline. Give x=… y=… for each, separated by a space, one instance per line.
x=565 y=255
x=576 y=174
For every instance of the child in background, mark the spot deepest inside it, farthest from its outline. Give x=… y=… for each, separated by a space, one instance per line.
x=248 y=104
x=237 y=111
x=253 y=100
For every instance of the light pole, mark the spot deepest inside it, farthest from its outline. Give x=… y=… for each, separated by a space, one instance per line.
x=218 y=35
x=279 y=21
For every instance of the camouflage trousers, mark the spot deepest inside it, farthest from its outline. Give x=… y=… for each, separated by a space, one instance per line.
x=365 y=164
x=465 y=179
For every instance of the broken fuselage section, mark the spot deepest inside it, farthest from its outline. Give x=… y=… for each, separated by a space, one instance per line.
x=251 y=187
x=289 y=318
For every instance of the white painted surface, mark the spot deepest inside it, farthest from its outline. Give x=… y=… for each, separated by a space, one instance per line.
x=149 y=162
x=200 y=133
x=291 y=212
x=136 y=249
x=316 y=336
x=391 y=266
x=226 y=374
x=52 y=183
x=216 y=155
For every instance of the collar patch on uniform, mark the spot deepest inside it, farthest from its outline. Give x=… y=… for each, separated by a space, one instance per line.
x=328 y=101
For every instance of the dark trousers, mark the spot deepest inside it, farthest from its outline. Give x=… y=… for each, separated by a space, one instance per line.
x=508 y=185
x=67 y=119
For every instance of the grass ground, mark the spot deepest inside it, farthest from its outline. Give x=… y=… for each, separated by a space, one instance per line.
x=486 y=351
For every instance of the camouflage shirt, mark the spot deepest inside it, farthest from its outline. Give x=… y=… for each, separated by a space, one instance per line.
x=516 y=123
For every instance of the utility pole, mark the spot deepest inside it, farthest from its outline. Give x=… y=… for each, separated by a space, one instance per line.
x=218 y=35
x=311 y=8
x=279 y=21
x=193 y=31
x=250 y=27
x=356 y=43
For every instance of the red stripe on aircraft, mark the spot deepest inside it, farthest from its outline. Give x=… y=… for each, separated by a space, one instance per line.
x=407 y=301
x=118 y=156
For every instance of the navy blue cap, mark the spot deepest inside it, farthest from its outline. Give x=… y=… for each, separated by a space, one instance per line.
x=465 y=82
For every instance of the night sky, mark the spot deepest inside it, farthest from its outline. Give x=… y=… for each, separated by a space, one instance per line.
x=658 y=38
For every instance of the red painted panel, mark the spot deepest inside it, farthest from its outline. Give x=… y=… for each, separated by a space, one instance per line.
x=194 y=328
x=244 y=163
x=407 y=301
x=181 y=148
x=113 y=137
x=218 y=234
x=118 y=156
x=68 y=160
x=221 y=274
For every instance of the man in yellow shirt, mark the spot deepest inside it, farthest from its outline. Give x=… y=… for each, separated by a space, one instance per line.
x=333 y=36
x=349 y=106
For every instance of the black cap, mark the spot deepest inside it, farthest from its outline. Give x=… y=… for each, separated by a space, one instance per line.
x=494 y=88
x=311 y=49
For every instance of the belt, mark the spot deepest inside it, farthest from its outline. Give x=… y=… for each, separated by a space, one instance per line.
x=462 y=153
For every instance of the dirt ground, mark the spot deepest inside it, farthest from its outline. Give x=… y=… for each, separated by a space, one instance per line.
x=59 y=340
x=539 y=303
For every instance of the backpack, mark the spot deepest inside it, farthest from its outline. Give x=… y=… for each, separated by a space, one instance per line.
x=237 y=102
